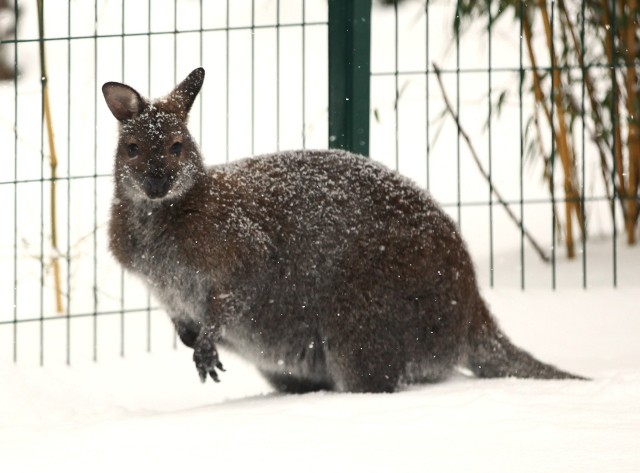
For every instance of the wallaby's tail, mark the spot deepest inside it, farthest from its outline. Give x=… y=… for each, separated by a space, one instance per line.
x=492 y=355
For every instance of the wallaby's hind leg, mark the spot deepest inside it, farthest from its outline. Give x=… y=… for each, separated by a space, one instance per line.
x=362 y=371
x=429 y=371
x=364 y=360
x=287 y=383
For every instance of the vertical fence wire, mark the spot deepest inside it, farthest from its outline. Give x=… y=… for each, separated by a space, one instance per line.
x=396 y=85
x=68 y=243
x=614 y=122
x=582 y=143
x=43 y=80
x=122 y=273
x=253 y=76
x=489 y=147
x=427 y=62
x=175 y=81
x=227 y=60
x=521 y=133
x=174 y=35
x=95 y=183
x=554 y=216
x=149 y=47
x=15 y=186
x=458 y=134
x=201 y=57
x=304 y=70
x=277 y=75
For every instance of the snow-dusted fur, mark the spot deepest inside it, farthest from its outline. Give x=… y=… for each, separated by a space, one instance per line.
x=324 y=269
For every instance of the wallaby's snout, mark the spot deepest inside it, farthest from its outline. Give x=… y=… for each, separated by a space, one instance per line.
x=156 y=187
x=157 y=174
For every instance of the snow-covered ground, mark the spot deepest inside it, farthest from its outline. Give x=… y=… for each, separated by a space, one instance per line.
x=148 y=410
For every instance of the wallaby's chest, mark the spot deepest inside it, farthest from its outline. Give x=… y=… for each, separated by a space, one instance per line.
x=149 y=246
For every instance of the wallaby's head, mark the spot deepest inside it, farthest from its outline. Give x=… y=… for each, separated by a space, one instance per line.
x=156 y=156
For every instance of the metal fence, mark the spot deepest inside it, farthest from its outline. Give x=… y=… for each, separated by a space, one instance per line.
x=63 y=297
x=534 y=153
x=280 y=74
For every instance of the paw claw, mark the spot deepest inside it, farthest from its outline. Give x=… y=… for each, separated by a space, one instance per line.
x=214 y=376
x=206 y=359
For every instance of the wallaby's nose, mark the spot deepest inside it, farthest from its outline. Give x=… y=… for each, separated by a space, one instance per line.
x=156 y=187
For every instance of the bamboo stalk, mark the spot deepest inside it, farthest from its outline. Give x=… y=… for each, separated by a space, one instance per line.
x=537 y=82
x=566 y=156
x=615 y=110
x=484 y=173
x=560 y=138
x=633 y=124
x=53 y=165
x=597 y=134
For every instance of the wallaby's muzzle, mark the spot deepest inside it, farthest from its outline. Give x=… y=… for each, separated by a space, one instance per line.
x=156 y=187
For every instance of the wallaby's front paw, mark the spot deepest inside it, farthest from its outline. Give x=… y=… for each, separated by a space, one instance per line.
x=206 y=359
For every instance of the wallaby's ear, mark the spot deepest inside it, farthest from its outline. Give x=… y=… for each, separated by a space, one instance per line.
x=185 y=93
x=123 y=101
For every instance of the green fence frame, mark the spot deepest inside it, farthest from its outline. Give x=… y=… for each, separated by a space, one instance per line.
x=349 y=74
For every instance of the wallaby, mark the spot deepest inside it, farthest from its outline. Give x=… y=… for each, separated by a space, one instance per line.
x=323 y=268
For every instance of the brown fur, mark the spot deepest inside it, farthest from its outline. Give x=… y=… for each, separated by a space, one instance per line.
x=323 y=268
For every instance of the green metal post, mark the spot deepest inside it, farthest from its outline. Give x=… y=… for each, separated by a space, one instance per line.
x=349 y=74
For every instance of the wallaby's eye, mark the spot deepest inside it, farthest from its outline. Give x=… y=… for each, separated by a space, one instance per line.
x=176 y=148
x=133 y=150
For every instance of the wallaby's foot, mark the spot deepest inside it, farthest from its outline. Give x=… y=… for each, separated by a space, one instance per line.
x=362 y=371
x=205 y=356
x=286 y=383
